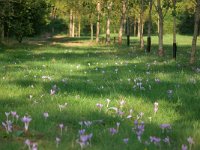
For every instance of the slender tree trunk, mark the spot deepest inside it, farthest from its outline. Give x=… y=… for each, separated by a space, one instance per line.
x=196 y=26
x=79 y=26
x=135 y=27
x=70 y=23
x=98 y=22
x=73 y=25
x=122 y=20
x=1 y=32
x=141 y=25
x=160 y=33
x=128 y=32
x=149 y=27
x=174 y=30
x=138 y=26
x=108 y=24
x=92 y=31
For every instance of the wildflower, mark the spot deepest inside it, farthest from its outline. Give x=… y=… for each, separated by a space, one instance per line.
x=125 y=140
x=7 y=115
x=34 y=146
x=190 y=141
x=61 y=107
x=26 y=120
x=57 y=141
x=14 y=115
x=166 y=140
x=139 y=129
x=165 y=126
x=118 y=124
x=46 y=115
x=28 y=143
x=130 y=114
x=61 y=128
x=170 y=93
x=113 y=131
x=184 y=147
x=8 y=126
x=81 y=132
x=155 y=107
x=84 y=140
x=108 y=102
x=122 y=103
x=99 y=106
x=87 y=123
x=155 y=140
x=54 y=90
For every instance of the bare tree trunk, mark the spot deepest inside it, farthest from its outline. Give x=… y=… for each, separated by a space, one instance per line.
x=92 y=31
x=149 y=27
x=70 y=23
x=108 y=24
x=160 y=33
x=138 y=26
x=98 y=22
x=79 y=26
x=1 y=32
x=135 y=26
x=122 y=22
x=174 y=30
x=73 y=24
x=141 y=25
x=194 y=41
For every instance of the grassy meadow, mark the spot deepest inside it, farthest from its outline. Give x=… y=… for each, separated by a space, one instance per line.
x=71 y=80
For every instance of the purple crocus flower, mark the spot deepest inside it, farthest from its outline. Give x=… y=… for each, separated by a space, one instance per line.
x=184 y=147
x=166 y=140
x=125 y=140
x=26 y=121
x=155 y=140
x=100 y=106
x=165 y=127
x=81 y=132
x=8 y=126
x=113 y=131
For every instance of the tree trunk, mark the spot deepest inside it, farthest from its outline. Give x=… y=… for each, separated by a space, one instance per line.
x=1 y=32
x=73 y=25
x=108 y=24
x=174 y=30
x=98 y=22
x=135 y=27
x=70 y=23
x=160 y=33
x=149 y=27
x=141 y=25
x=92 y=31
x=138 y=26
x=79 y=26
x=194 y=40
x=128 y=32
x=122 y=20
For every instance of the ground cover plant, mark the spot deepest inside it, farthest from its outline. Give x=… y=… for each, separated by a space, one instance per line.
x=64 y=93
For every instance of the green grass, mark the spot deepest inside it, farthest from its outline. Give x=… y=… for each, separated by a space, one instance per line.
x=93 y=74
